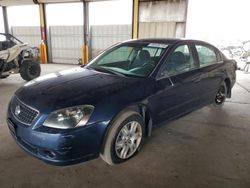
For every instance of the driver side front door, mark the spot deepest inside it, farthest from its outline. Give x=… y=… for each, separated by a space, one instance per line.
x=177 y=89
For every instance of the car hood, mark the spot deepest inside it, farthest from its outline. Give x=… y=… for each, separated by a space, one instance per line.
x=71 y=87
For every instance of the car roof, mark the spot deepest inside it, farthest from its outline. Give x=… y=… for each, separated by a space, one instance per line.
x=159 y=40
x=155 y=40
x=165 y=40
x=170 y=41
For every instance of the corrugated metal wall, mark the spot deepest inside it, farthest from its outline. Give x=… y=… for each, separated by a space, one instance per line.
x=157 y=29
x=30 y=35
x=161 y=19
x=103 y=36
x=156 y=19
x=66 y=43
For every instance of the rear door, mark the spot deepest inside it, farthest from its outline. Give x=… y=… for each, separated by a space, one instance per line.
x=211 y=70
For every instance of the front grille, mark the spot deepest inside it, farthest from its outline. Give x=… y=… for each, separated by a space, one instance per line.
x=23 y=112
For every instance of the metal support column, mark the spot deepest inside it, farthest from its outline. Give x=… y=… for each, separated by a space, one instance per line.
x=186 y=15
x=135 y=22
x=43 y=45
x=85 y=48
x=5 y=20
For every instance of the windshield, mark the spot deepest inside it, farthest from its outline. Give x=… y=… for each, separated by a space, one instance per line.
x=130 y=59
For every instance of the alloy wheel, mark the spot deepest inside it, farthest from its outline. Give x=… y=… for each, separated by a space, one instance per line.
x=128 y=140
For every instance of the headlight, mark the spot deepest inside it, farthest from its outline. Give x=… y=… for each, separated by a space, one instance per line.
x=68 y=118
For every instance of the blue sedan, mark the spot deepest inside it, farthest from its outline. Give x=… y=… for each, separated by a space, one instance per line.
x=108 y=107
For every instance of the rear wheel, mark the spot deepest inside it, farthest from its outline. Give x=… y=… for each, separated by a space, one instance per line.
x=30 y=70
x=220 y=97
x=124 y=138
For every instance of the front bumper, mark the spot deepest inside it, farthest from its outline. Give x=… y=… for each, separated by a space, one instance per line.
x=59 y=147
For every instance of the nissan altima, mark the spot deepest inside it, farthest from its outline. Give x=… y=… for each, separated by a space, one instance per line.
x=110 y=106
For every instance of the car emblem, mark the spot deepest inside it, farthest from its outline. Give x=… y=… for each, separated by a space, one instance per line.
x=17 y=110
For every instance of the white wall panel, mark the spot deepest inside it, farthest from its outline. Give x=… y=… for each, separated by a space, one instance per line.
x=27 y=34
x=157 y=29
x=180 y=30
x=163 y=11
x=1 y=21
x=26 y=15
x=103 y=36
x=66 y=43
x=162 y=18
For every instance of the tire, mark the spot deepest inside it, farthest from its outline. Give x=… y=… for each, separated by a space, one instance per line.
x=119 y=148
x=30 y=70
x=5 y=76
x=220 y=97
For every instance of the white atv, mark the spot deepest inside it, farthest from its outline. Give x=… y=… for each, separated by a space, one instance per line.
x=18 y=57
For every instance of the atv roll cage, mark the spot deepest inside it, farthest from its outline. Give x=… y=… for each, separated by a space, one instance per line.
x=18 y=57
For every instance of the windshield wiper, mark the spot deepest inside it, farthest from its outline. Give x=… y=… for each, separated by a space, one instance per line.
x=106 y=70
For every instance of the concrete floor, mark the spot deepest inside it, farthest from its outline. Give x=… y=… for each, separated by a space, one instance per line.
x=203 y=149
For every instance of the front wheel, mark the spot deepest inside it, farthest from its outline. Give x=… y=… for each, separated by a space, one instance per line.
x=220 y=97
x=30 y=70
x=124 y=138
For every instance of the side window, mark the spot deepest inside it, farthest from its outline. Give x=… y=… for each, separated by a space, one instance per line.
x=180 y=61
x=207 y=56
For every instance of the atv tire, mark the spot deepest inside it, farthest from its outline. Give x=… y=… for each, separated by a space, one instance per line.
x=5 y=76
x=30 y=70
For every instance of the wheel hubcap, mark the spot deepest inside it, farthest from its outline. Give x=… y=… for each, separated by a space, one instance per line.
x=220 y=96
x=128 y=140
